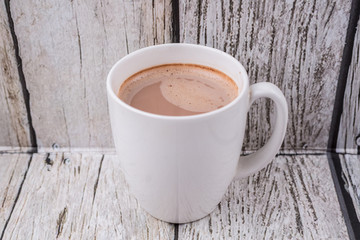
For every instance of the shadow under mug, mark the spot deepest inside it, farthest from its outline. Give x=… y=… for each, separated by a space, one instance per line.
x=179 y=167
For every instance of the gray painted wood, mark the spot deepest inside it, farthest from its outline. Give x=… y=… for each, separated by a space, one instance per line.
x=293 y=198
x=12 y=171
x=67 y=50
x=349 y=129
x=295 y=44
x=14 y=126
x=85 y=198
x=350 y=173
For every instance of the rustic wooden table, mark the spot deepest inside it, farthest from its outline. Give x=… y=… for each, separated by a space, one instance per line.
x=84 y=196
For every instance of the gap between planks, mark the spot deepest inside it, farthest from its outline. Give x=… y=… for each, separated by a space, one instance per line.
x=19 y=150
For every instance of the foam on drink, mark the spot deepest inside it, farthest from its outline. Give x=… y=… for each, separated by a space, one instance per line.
x=178 y=90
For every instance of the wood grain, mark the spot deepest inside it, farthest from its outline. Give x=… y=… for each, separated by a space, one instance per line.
x=293 y=198
x=349 y=129
x=12 y=171
x=296 y=45
x=14 y=125
x=350 y=173
x=84 y=198
x=67 y=50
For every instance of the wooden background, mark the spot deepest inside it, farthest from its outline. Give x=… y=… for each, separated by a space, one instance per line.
x=54 y=59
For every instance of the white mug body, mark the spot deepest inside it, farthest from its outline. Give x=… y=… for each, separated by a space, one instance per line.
x=178 y=167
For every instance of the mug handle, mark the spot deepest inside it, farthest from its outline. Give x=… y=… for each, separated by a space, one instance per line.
x=252 y=163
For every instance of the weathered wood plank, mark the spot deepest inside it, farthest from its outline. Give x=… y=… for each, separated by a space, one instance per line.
x=115 y=205
x=349 y=130
x=67 y=49
x=293 y=198
x=295 y=44
x=85 y=198
x=14 y=125
x=350 y=173
x=12 y=171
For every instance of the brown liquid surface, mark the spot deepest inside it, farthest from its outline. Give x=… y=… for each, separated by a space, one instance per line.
x=178 y=90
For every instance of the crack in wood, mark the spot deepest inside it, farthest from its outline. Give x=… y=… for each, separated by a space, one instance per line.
x=79 y=44
x=295 y=197
x=7 y=187
x=269 y=200
x=199 y=21
x=61 y=221
x=66 y=125
x=154 y=22
x=175 y=22
x=118 y=201
x=126 y=41
x=176 y=231
x=12 y=95
x=25 y=91
x=330 y=14
x=97 y=179
x=16 y=198
x=306 y=193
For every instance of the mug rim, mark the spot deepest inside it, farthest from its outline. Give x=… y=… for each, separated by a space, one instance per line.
x=113 y=95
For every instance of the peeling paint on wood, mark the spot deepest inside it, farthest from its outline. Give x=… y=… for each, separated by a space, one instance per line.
x=296 y=45
x=67 y=50
x=61 y=202
x=349 y=130
x=14 y=125
x=293 y=198
x=350 y=165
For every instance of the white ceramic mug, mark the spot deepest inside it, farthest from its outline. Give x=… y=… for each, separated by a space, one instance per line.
x=179 y=167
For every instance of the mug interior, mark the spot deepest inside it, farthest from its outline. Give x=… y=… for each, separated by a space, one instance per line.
x=176 y=53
